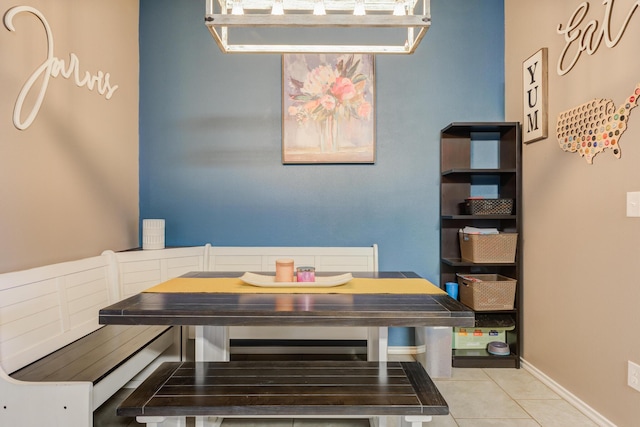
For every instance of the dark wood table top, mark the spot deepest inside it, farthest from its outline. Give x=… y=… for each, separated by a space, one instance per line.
x=227 y=309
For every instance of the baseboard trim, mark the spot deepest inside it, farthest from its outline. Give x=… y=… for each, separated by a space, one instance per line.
x=411 y=350
x=581 y=406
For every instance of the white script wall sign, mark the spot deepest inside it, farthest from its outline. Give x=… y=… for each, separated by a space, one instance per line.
x=589 y=37
x=52 y=67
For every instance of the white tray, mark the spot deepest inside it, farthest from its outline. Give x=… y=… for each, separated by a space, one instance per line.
x=270 y=281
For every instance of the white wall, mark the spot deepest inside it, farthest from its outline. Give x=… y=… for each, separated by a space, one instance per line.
x=69 y=181
x=581 y=252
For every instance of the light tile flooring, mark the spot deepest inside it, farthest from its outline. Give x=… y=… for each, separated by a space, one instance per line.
x=476 y=398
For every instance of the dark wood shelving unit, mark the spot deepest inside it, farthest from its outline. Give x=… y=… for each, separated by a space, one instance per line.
x=458 y=177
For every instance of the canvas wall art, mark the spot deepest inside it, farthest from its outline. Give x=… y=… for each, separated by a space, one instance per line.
x=328 y=108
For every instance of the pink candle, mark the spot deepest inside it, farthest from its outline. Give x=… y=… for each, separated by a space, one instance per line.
x=306 y=274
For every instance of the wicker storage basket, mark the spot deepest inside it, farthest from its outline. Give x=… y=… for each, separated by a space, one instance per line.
x=489 y=206
x=483 y=292
x=488 y=248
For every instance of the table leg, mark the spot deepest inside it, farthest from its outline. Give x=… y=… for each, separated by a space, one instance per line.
x=212 y=344
x=377 y=344
x=436 y=357
x=377 y=350
x=162 y=421
x=415 y=421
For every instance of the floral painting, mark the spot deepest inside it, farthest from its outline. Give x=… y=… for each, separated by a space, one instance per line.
x=328 y=108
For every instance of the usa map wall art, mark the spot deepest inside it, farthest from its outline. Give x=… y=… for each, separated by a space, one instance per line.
x=595 y=126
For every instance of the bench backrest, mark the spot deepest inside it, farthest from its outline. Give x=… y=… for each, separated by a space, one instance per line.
x=139 y=270
x=45 y=308
x=263 y=258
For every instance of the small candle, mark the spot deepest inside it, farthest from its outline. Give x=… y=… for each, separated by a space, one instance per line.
x=306 y=274
x=284 y=270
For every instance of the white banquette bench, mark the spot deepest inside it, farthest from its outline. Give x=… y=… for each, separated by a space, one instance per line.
x=57 y=364
x=54 y=356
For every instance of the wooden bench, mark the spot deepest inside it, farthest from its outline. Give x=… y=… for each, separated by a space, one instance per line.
x=57 y=364
x=316 y=389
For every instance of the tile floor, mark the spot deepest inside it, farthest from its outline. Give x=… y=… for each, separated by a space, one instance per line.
x=476 y=398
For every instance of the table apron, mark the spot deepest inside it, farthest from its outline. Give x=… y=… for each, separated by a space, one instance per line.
x=391 y=321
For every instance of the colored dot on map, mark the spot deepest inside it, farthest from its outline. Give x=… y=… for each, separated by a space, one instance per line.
x=615 y=117
x=613 y=142
x=615 y=152
x=606 y=143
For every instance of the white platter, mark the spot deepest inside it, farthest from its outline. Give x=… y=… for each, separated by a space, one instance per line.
x=270 y=281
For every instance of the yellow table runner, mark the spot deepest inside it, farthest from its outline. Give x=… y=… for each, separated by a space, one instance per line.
x=354 y=286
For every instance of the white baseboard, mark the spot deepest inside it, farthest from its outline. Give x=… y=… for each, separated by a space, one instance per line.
x=411 y=350
x=587 y=410
x=395 y=350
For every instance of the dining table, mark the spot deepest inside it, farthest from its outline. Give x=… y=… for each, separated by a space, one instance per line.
x=213 y=301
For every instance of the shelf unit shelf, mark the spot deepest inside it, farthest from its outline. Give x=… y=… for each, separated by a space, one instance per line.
x=459 y=142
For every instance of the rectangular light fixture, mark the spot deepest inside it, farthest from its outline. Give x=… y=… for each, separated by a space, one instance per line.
x=298 y=26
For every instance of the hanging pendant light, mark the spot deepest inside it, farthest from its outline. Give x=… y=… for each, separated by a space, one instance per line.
x=319 y=26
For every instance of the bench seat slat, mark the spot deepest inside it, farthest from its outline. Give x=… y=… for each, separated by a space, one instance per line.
x=276 y=380
x=286 y=389
x=92 y=357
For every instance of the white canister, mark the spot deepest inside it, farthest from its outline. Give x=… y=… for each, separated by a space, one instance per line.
x=153 y=234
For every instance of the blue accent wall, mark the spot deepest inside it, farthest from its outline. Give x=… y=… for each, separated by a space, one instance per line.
x=210 y=139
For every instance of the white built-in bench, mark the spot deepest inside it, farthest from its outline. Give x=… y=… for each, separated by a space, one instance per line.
x=57 y=364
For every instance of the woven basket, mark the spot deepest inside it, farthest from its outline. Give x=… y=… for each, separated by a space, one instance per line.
x=488 y=248
x=483 y=292
x=489 y=206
